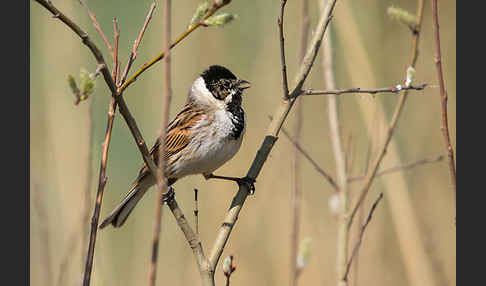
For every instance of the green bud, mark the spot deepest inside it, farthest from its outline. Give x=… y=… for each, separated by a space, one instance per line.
x=72 y=84
x=410 y=76
x=404 y=17
x=304 y=253
x=87 y=84
x=201 y=10
x=220 y=19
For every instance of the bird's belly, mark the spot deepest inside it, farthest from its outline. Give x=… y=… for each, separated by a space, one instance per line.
x=206 y=156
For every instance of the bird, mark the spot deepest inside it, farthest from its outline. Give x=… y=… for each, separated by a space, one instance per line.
x=203 y=136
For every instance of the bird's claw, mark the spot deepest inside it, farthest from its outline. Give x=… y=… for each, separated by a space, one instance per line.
x=168 y=196
x=250 y=182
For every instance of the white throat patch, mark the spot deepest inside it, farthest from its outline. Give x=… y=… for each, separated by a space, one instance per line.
x=201 y=95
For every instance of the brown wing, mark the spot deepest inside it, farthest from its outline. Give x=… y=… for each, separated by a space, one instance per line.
x=178 y=134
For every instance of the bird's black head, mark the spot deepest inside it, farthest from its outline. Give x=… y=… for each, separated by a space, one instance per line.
x=221 y=82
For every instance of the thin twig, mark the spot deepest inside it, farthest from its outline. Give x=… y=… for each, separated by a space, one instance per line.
x=162 y=179
x=443 y=98
x=97 y=27
x=116 y=63
x=309 y=158
x=360 y=238
x=270 y=139
x=285 y=84
x=400 y=168
x=214 y=7
x=395 y=89
x=133 y=54
x=140 y=36
x=396 y=115
x=207 y=276
x=339 y=155
x=296 y=196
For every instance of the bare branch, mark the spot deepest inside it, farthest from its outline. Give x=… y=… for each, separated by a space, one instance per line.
x=133 y=54
x=361 y=234
x=370 y=175
x=296 y=193
x=400 y=168
x=269 y=141
x=161 y=176
x=395 y=89
x=443 y=99
x=282 y=50
x=214 y=7
x=193 y=240
x=97 y=27
x=312 y=161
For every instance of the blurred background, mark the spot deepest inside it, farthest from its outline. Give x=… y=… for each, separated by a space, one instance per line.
x=412 y=237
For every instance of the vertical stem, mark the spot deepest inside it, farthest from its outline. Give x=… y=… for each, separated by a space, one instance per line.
x=89 y=175
x=161 y=176
x=443 y=98
x=339 y=157
x=295 y=165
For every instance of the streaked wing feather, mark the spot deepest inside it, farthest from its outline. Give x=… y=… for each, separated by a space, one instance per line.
x=178 y=136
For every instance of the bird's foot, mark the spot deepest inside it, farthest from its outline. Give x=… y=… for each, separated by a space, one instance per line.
x=168 y=196
x=250 y=182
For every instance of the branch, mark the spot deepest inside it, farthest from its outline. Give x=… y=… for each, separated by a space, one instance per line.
x=285 y=84
x=270 y=139
x=360 y=238
x=98 y=28
x=309 y=158
x=296 y=192
x=133 y=54
x=443 y=98
x=161 y=178
x=400 y=168
x=339 y=154
x=370 y=175
x=217 y=4
x=194 y=242
x=357 y=90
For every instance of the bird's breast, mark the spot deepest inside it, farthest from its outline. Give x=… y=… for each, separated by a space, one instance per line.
x=216 y=139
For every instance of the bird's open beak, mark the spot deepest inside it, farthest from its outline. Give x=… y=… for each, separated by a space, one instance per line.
x=243 y=84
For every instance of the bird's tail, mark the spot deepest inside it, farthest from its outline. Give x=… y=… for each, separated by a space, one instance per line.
x=119 y=215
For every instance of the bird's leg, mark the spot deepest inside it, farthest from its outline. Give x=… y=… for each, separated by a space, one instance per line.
x=245 y=180
x=168 y=196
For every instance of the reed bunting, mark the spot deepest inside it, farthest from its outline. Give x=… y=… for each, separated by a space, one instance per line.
x=203 y=136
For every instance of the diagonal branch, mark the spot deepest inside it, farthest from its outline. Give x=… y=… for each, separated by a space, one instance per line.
x=370 y=175
x=270 y=139
x=400 y=168
x=216 y=5
x=312 y=161
x=360 y=237
x=97 y=26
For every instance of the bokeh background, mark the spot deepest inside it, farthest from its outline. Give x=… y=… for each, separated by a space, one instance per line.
x=412 y=238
